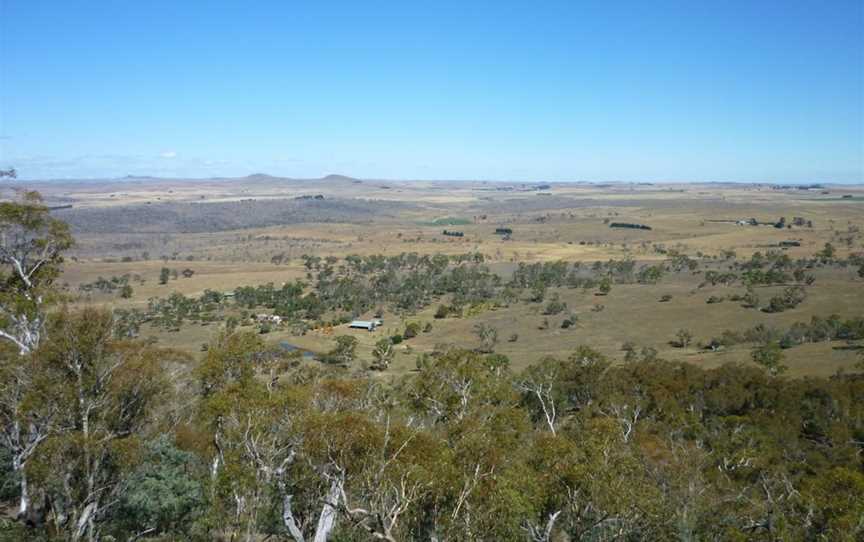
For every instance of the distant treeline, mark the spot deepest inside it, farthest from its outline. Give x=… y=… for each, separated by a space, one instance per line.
x=629 y=225
x=819 y=329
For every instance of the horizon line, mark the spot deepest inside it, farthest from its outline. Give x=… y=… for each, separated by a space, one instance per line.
x=340 y=176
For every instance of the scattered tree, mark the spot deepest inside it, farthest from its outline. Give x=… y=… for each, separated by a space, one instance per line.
x=683 y=338
x=488 y=336
x=383 y=354
x=770 y=356
x=344 y=351
x=605 y=286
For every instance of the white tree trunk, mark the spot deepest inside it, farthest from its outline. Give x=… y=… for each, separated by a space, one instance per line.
x=327 y=520
x=85 y=523
x=24 y=502
x=289 y=521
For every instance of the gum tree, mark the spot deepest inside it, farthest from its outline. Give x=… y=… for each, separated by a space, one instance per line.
x=110 y=390
x=31 y=247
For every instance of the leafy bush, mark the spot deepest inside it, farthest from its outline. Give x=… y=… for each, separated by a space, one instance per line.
x=163 y=492
x=412 y=329
x=789 y=299
x=555 y=306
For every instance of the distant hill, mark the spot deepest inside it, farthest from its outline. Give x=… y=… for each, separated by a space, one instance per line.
x=261 y=177
x=138 y=177
x=343 y=178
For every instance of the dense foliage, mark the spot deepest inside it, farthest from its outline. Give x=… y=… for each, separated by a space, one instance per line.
x=251 y=443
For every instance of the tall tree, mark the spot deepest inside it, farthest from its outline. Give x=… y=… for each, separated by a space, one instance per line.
x=28 y=415
x=31 y=247
x=110 y=389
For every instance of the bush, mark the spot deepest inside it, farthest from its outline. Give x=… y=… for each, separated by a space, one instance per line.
x=649 y=354
x=750 y=299
x=344 y=351
x=665 y=297
x=555 y=306
x=126 y=291
x=789 y=299
x=162 y=493
x=683 y=338
x=605 y=286
x=650 y=274
x=412 y=329
x=770 y=356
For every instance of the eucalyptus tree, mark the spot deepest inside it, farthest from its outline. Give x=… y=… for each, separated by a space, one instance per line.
x=488 y=336
x=383 y=354
x=540 y=387
x=31 y=247
x=109 y=390
x=32 y=243
x=28 y=415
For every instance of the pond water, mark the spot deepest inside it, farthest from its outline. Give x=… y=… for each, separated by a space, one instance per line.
x=293 y=347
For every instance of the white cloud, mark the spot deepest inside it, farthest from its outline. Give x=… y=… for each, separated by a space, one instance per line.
x=169 y=154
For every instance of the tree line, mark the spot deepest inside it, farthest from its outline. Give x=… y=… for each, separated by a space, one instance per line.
x=119 y=440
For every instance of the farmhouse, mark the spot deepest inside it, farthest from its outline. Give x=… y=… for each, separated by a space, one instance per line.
x=369 y=325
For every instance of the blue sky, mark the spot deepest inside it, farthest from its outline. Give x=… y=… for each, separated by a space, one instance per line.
x=642 y=91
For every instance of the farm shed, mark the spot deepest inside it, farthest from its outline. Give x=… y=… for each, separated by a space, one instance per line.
x=369 y=325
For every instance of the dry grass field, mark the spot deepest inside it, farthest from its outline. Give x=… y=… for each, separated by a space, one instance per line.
x=253 y=231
